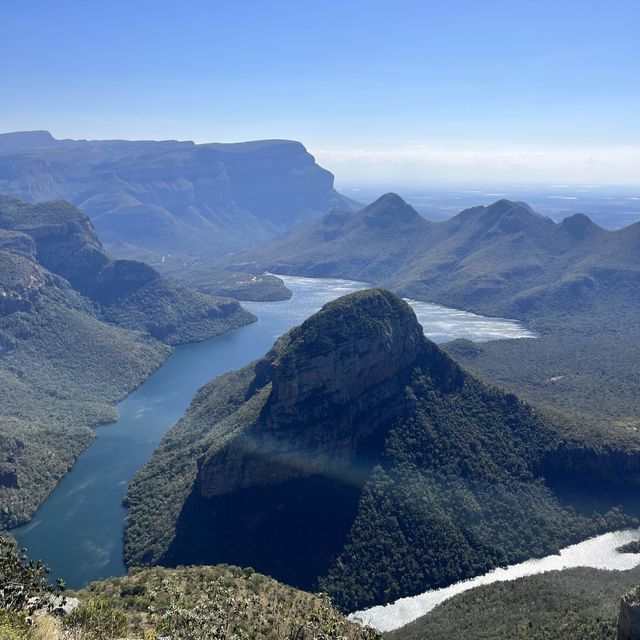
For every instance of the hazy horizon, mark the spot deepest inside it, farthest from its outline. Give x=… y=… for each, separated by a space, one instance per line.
x=429 y=92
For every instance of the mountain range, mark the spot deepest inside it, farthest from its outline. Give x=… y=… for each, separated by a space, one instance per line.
x=170 y=202
x=357 y=457
x=502 y=259
x=78 y=330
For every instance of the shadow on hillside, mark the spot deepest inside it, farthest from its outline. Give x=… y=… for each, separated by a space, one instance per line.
x=291 y=531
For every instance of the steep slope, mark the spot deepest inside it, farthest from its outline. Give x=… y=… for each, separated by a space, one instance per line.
x=358 y=457
x=503 y=259
x=171 y=202
x=78 y=330
x=128 y=293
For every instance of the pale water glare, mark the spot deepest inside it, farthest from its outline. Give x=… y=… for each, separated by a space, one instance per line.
x=440 y=323
x=599 y=553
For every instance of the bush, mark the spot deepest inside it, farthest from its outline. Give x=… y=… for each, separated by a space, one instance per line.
x=23 y=581
x=98 y=620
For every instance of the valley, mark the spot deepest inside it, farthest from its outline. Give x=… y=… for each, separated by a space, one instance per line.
x=86 y=544
x=416 y=480
x=320 y=321
x=78 y=331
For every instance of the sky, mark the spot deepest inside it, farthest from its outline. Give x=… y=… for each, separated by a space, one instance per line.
x=402 y=91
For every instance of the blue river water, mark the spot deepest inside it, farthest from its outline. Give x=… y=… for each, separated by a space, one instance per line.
x=78 y=530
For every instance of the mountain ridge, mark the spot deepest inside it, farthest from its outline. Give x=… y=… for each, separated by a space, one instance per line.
x=502 y=259
x=171 y=202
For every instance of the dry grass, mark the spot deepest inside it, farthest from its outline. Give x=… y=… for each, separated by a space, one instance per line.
x=46 y=628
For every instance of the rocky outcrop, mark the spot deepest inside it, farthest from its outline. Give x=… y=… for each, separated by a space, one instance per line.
x=573 y=465
x=126 y=292
x=17 y=242
x=22 y=282
x=629 y=616
x=358 y=458
x=333 y=382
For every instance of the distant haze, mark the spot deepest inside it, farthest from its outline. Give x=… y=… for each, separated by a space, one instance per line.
x=409 y=91
x=478 y=163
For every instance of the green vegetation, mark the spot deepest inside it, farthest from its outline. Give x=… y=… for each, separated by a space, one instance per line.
x=448 y=479
x=61 y=373
x=630 y=547
x=587 y=372
x=574 y=604
x=98 y=620
x=160 y=488
x=241 y=286
x=196 y=317
x=207 y=603
x=196 y=603
x=459 y=493
x=23 y=582
x=78 y=331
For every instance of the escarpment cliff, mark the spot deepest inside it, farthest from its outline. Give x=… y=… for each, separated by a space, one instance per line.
x=170 y=202
x=356 y=457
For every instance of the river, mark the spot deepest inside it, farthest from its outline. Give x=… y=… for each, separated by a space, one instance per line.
x=599 y=553
x=78 y=530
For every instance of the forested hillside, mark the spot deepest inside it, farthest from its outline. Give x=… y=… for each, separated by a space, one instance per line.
x=358 y=457
x=78 y=330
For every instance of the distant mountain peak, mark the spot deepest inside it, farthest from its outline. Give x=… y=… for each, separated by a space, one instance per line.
x=579 y=225
x=510 y=207
x=390 y=209
x=22 y=140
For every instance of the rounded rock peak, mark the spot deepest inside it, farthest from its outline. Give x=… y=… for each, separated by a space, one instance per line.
x=579 y=224
x=388 y=209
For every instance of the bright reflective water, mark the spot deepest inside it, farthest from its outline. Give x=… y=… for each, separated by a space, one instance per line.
x=78 y=529
x=599 y=553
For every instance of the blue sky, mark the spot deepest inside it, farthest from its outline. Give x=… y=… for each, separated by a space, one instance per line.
x=402 y=91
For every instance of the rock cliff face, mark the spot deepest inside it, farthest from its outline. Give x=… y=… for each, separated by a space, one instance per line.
x=629 y=617
x=155 y=199
x=64 y=249
x=346 y=380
